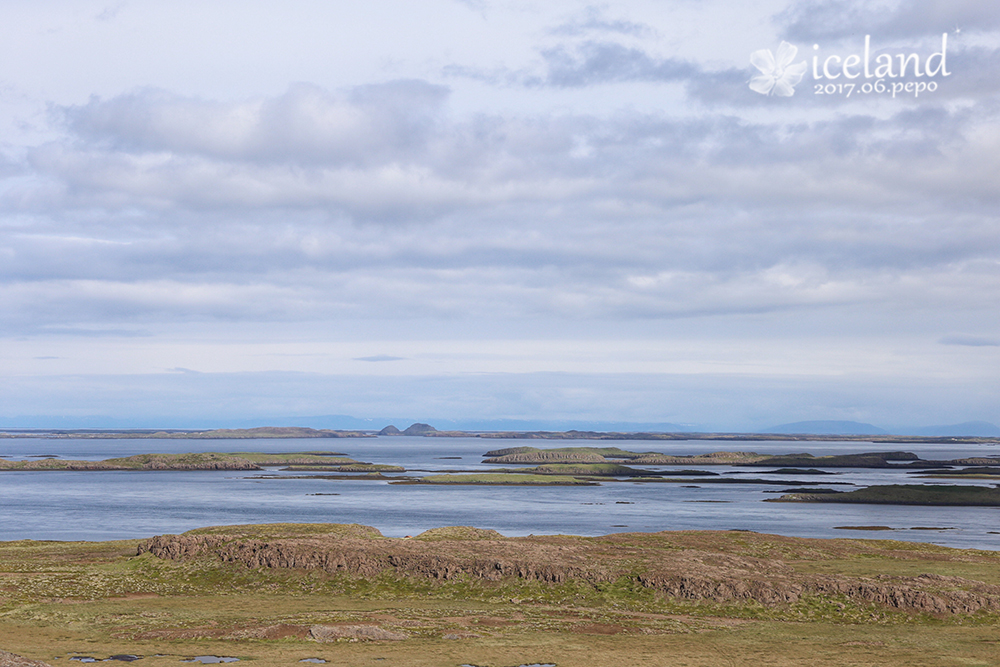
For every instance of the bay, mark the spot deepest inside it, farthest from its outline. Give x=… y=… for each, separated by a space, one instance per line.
x=70 y=505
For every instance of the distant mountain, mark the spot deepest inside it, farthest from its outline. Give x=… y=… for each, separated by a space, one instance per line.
x=562 y=425
x=826 y=428
x=969 y=429
x=97 y=422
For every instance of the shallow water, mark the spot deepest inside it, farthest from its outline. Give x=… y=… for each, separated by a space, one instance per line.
x=69 y=505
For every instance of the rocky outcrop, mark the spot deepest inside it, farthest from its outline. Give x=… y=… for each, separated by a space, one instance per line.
x=684 y=573
x=390 y=430
x=14 y=660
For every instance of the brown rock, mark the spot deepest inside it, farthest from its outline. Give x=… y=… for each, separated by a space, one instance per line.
x=331 y=633
x=14 y=660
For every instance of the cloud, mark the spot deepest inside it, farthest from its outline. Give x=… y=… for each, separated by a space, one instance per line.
x=111 y=12
x=974 y=73
x=837 y=19
x=372 y=124
x=594 y=20
x=969 y=341
x=594 y=62
x=613 y=175
x=158 y=208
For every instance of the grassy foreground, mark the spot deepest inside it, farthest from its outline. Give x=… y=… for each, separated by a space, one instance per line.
x=101 y=599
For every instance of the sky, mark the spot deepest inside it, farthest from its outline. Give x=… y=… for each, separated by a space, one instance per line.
x=704 y=213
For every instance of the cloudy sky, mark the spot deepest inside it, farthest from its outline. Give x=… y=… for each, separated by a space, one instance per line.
x=560 y=212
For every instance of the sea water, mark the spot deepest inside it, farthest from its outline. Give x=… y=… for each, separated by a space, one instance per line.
x=105 y=505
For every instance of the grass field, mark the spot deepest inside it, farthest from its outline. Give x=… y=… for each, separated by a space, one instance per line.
x=60 y=599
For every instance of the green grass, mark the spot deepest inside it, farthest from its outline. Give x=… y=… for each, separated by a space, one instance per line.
x=590 y=469
x=576 y=455
x=350 y=467
x=290 y=530
x=100 y=599
x=562 y=454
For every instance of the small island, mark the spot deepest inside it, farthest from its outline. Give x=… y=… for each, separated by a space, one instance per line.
x=189 y=461
x=499 y=479
x=904 y=494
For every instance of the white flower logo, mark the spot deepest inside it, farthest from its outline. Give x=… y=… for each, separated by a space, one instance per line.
x=778 y=75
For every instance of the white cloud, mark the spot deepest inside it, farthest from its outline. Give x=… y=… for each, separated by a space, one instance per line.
x=371 y=201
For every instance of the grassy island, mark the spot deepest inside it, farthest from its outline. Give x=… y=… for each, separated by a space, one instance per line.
x=191 y=461
x=347 y=467
x=613 y=455
x=501 y=479
x=905 y=494
x=262 y=432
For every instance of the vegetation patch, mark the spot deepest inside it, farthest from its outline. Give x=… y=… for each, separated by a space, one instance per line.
x=291 y=530
x=458 y=533
x=274 y=595
x=588 y=469
x=352 y=467
x=612 y=455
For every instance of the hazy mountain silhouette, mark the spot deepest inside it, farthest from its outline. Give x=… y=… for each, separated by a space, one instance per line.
x=826 y=428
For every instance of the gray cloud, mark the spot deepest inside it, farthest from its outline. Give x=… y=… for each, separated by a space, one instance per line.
x=593 y=19
x=974 y=72
x=969 y=341
x=140 y=214
x=835 y=19
x=369 y=125
x=595 y=62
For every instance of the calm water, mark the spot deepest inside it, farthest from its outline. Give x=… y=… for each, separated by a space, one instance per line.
x=67 y=505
